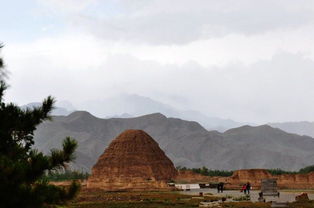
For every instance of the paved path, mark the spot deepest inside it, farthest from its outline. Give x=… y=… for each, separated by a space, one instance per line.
x=284 y=196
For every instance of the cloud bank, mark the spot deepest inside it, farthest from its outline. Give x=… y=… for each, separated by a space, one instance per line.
x=246 y=60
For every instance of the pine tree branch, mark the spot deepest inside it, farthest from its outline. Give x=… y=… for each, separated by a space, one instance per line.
x=59 y=158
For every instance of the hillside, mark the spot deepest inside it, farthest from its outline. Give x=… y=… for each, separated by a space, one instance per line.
x=301 y=128
x=125 y=105
x=57 y=111
x=186 y=143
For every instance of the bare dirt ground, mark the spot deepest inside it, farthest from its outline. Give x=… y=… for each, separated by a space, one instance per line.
x=89 y=198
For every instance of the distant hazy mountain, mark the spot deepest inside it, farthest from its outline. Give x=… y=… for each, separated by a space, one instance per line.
x=301 y=128
x=123 y=115
x=210 y=123
x=66 y=104
x=186 y=143
x=135 y=105
x=57 y=111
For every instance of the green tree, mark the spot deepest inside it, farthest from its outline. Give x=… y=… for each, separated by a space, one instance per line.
x=307 y=169
x=21 y=166
x=204 y=171
x=66 y=175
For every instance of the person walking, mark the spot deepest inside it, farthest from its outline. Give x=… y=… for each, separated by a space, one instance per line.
x=218 y=188
x=221 y=187
x=248 y=187
x=243 y=188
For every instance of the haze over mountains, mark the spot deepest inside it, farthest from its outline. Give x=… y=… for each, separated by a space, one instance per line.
x=63 y=108
x=128 y=106
x=186 y=143
x=301 y=128
x=132 y=105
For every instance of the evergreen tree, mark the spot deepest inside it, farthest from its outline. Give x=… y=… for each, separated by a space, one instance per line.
x=204 y=171
x=21 y=166
x=307 y=169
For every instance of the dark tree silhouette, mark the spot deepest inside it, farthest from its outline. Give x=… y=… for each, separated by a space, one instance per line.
x=21 y=166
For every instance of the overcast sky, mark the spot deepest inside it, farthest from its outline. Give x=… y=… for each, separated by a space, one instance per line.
x=248 y=60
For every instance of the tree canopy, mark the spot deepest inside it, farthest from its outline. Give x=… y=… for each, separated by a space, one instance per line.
x=21 y=166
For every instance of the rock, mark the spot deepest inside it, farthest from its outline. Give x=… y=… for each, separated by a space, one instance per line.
x=188 y=176
x=240 y=177
x=133 y=161
x=250 y=175
x=296 y=181
x=210 y=204
x=302 y=197
x=254 y=176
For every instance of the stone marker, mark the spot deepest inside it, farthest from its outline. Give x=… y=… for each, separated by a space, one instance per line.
x=302 y=197
x=269 y=187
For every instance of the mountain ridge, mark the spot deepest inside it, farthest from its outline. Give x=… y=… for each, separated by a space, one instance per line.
x=297 y=127
x=187 y=143
x=137 y=105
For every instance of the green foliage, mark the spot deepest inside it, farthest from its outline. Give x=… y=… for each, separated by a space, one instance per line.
x=304 y=170
x=22 y=167
x=242 y=198
x=307 y=169
x=208 y=172
x=278 y=171
x=65 y=175
x=181 y=168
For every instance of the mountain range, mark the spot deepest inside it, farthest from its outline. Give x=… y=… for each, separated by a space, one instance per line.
x=57 y=111
x=132 y=105
x=187 y=143
x=301 y=127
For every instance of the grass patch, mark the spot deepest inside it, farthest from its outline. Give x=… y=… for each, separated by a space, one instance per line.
x=246 y=205
x=99 y=199
x=242 y=198
x=309 y=204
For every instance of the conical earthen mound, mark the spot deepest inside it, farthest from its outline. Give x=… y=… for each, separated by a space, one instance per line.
x=133 y=161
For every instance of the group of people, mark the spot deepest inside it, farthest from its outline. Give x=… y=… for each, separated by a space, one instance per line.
x=246 y=188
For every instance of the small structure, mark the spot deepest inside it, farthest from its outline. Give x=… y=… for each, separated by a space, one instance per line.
x=187 y=187
x=269 y=187
x=205 y=185
x=209 y=185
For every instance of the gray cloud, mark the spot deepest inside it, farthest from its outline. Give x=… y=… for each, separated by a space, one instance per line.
x=279 y=89
x=229 y=71
x=179 y=22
